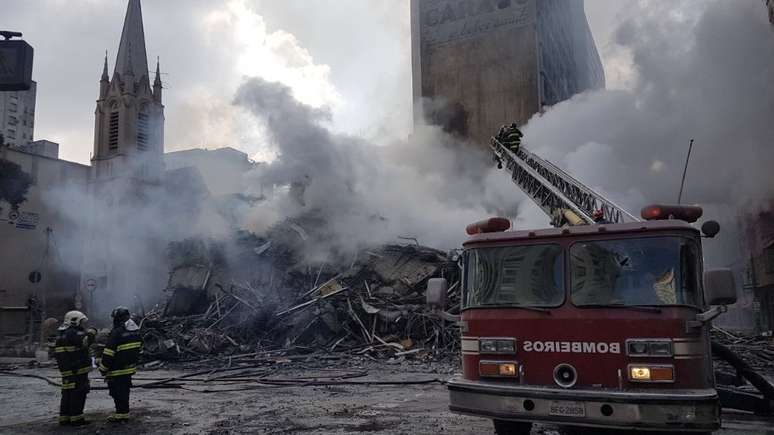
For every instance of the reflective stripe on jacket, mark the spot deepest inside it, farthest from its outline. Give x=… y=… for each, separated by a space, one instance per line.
x=121 y=353
x=72 y=354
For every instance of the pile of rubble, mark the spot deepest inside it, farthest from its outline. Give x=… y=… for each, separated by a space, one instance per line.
x=263 y=296
x=755 y=350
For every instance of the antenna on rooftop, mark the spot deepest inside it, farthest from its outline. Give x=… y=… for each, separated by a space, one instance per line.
x=685 y=171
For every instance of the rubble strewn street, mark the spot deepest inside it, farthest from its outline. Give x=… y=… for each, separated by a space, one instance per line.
x=282 y=397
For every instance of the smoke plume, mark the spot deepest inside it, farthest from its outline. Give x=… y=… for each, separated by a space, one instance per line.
x=427 y=187
x=703 y=71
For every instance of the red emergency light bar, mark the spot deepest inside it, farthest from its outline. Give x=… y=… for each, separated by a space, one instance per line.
x=687 y=213
x=491 y=225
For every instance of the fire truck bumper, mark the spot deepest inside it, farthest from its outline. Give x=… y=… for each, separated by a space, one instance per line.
x=677 y=410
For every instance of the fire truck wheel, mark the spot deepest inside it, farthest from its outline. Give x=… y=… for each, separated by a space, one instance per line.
x=503 y=427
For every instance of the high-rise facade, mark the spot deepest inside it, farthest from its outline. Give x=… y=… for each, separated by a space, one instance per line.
x=17 y=116
x=479 y=64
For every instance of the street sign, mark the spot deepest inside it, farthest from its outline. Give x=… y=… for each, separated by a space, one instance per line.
x=15 y=63
x=91 y=284
x=35 y=277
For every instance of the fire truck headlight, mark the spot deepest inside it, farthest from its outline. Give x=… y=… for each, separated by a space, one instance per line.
x=638 y=348
x=506 y=346
x=661 y=348
x=497 y=345
x=498 y=369
x=487 y=346
x=651 y=373
x=639 y=373
x=507 y=369
x=649 y=347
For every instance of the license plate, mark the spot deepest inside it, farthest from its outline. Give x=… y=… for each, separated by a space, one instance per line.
x=567 y=409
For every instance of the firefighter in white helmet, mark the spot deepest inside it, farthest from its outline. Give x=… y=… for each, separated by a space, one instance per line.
x=72 y=357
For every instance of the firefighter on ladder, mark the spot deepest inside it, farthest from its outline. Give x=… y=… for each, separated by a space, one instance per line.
x=119 y=359
x=72 y=356
x=599 y=217
x=510 y=137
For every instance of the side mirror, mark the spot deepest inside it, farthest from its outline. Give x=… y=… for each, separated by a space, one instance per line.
x=710 y=229
x=719 y=287
x=435 y=295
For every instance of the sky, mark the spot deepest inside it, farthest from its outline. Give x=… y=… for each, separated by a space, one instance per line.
x=352 y=56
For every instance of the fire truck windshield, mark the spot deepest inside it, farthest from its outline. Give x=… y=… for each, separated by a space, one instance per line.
x=649 y=271
x=529 y=276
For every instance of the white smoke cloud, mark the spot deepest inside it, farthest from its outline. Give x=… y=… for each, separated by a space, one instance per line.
x=703 y=70
x=428 y=187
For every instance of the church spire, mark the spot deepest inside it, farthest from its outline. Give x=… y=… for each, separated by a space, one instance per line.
x=132 y=59
x=104 y=82
x=105 y=77
x=157 y=82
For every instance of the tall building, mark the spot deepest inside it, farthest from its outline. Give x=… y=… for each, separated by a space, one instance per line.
x=129 y=119
x=17 y=116
x=479 y=64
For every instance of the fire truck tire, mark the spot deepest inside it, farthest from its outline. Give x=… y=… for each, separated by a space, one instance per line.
x=503 y=427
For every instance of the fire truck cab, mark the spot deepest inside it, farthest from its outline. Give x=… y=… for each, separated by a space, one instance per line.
x=595 y=325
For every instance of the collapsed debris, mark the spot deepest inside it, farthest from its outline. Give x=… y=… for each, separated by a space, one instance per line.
x=262 y=295
x=739 y=366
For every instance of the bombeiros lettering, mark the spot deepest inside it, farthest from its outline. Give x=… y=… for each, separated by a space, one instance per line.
x=571 y=347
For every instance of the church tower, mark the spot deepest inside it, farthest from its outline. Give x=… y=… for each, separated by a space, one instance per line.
x=129 y=124
x=124 y=254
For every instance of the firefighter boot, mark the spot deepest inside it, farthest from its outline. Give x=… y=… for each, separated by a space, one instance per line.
x=118 y=418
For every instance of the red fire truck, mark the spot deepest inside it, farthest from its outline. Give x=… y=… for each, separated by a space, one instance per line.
x=600 y=325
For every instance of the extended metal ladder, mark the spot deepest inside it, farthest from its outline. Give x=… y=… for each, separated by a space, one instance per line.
x=554 y=190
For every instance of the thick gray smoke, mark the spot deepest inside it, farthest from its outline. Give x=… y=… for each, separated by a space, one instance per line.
x=704 y=71
x=428 y=187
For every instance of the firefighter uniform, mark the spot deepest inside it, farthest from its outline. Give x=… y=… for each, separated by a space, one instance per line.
x=118 y=365
x=510 y=136
x=72 y=356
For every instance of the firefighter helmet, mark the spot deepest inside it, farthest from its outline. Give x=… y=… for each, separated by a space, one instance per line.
x=75 y=318
x=120 y=315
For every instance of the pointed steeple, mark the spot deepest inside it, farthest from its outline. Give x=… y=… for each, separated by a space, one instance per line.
x=104 y=81
x=157 y=82
x=105 y=77
x=132 y=59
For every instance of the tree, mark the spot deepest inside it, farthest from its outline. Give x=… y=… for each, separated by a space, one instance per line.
x=14 y=183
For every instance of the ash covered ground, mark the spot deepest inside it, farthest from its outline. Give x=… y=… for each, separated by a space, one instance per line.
x=224 y=403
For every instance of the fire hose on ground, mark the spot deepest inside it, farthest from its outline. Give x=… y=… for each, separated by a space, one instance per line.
x=179 y=382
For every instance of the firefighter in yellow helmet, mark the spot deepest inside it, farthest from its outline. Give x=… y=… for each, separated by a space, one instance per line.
x=72 y=356
x=119 y=360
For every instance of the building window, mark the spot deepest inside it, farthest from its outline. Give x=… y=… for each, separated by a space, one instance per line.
x=142 y=131
x=113 y=131
x=11 y=134
x=12 y=107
